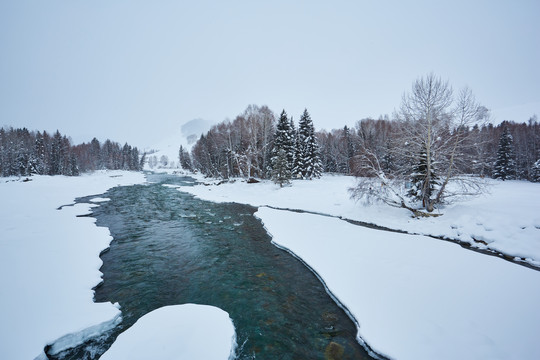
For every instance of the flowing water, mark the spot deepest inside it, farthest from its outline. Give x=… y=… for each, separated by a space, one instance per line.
x=170 y=248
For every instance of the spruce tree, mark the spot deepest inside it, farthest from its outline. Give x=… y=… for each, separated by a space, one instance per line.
x=307 y=161
x=185 y=159
x=535 y=171
x=283 y=140
x=281 y=172
x=423 y=183
x=56 y=155
x=39 y=156
x=505 y=165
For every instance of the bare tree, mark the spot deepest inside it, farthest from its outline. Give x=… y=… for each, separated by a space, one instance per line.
x=428 y=146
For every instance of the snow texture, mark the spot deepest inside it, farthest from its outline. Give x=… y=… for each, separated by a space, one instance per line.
x=50 y=261
x=506 y=217
x=177 y=332
x=415 y=297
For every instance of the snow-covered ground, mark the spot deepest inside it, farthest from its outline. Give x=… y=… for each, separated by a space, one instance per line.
x=506 y=217
x=415 y=297
x=186 y=331
x=50 y=262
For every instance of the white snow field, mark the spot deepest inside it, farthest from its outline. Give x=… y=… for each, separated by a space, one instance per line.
x=415 y=297
x=50 y=262
x=177 y=332
x=506 y=217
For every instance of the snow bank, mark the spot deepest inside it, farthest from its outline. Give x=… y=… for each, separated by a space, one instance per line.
x=507 y=218
x=50 y=262
x=177 y=332
x=415 y=297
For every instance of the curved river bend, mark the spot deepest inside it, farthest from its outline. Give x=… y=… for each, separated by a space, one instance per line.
x=170 y=248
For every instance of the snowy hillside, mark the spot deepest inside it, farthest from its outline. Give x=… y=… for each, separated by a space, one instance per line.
x=185 y=134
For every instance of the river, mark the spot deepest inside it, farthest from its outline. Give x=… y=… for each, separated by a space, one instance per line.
x=171 y=248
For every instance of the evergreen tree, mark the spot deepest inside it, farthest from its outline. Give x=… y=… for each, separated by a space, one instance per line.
x=126 y=161
x=142 y=161
x=281 y=172
x=535 y=171
x=73 y=165
x=95 y=153
x=2 y=151
x=283 y=140
x=505 y=166
x=349 y=148
x=423 y=184
x=307 y=160
x=185 y=159
x=39 y=157
x=56 y=157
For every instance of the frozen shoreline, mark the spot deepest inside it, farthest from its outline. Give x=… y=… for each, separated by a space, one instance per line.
x=503 y=220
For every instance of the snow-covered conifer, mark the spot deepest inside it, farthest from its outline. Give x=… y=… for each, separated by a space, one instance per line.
x=281 y=172
x=423 y=184
x=307 y=160
x=283 y=140
x=185 y=159
x=505 y=165
x=535 y=171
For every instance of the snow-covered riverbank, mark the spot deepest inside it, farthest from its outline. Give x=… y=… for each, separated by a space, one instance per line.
x=506 y=217
x=415 y=297
x=50 y=262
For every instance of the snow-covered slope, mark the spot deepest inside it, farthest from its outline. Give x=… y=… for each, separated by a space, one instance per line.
x=184 y=134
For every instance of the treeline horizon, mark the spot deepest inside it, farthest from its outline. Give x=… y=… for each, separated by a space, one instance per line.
x=243 y=147
x=25 y=153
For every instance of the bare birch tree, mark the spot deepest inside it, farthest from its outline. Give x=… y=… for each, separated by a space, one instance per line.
x=428 y=149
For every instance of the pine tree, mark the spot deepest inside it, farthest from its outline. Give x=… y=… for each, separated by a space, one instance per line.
x=535 y=171
x=307 y=161
x=38 y=158
x=142 y=161
x=56 y=156
x=283 y=140
x=281 y=172
x=423 y=184
x=349 y=151
x=73 y=165
x=185 y=159
x=505 y=165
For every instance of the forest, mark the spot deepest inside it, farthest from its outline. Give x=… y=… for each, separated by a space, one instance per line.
x=439 y=145
x=244 y=147
x=24 y=152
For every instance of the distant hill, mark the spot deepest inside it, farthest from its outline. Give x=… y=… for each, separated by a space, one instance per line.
x=164 y=154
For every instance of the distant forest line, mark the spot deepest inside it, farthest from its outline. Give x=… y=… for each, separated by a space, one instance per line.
x=244 y=147
x=24 y=152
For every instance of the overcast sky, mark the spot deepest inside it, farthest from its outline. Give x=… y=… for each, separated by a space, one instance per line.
x=134 y=70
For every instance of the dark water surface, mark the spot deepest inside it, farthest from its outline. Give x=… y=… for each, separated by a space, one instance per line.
x=170 y=248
